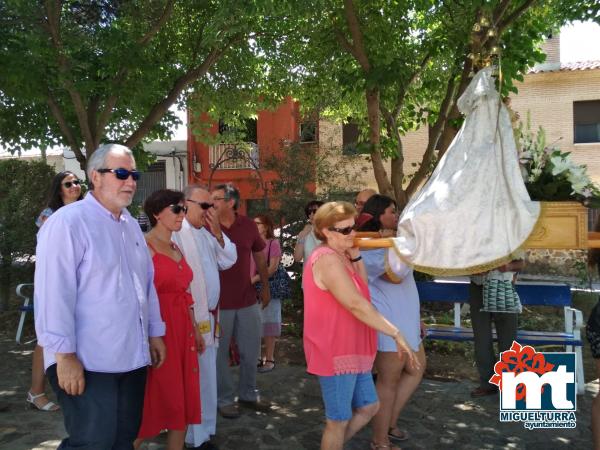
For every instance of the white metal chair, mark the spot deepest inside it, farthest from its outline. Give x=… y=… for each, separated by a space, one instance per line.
x=25 y=308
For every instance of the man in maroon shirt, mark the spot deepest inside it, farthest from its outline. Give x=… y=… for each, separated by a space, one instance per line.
x=239 y=310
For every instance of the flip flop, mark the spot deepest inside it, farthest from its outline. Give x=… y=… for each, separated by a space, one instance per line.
x=268 y=366
x=402 y=436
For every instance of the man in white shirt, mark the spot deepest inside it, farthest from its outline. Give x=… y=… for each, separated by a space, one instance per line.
x=206 y=252
x=362 y=197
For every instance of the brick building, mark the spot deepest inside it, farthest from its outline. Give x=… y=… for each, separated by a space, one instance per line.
x=565 y=100
x=562 y=98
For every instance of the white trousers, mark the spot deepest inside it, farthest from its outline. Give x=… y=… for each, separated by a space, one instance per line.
x=198 y=434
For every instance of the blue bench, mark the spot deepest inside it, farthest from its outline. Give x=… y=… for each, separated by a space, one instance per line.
x=25 y=308
x=531 y=294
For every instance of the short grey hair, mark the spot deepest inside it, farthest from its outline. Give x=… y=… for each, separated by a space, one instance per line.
x=98 y=158
x=230 y=192
x=189 y=190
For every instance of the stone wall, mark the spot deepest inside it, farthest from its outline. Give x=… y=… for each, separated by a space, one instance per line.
x=568 y=263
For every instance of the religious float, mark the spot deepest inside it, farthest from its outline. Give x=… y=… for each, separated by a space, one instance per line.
x=483 y=203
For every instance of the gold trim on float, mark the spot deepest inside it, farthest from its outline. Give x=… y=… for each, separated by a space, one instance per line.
x=560 y=225
x=362 y=241
x=392 y=276
x=479 y=268
x=472 y=270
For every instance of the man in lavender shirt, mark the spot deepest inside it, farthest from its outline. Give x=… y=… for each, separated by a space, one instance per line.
x=96 y=310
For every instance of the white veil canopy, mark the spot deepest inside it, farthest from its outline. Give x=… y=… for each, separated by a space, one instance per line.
x=474 y=213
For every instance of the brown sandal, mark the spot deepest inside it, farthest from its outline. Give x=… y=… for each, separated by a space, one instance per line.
x=398 y=437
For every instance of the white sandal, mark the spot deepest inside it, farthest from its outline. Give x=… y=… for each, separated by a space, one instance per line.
x=389 y=445
x=49 y=406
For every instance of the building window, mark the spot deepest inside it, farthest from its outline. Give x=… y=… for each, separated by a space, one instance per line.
x=308 y=131
x=350 y=137
x=586 y=118
x=247 y=129
x=251 y=130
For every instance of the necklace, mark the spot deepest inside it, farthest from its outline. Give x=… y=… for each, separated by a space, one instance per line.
x=173 y=247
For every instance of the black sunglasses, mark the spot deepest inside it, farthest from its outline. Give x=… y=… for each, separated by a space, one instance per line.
x=345 y=231
x=312 y=211
x=122 y=174
x=177 y=209
x=202 y=205
x=68 y=184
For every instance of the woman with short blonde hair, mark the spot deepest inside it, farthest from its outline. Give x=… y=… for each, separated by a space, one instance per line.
x=339 y=326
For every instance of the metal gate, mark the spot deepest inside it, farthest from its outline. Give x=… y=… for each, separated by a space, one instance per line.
x=152 y=179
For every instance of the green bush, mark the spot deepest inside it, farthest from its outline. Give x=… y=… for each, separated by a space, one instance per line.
x=23 y=193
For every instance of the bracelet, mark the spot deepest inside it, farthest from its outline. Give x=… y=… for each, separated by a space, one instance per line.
x=357 y=259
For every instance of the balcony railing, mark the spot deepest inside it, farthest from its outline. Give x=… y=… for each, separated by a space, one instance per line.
x=243 y=155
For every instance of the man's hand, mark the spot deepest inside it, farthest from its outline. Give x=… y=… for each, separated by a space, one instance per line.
x=69 y=371
x=158 y=351
x=213 y=221
x=265 y=296
x=200 y=344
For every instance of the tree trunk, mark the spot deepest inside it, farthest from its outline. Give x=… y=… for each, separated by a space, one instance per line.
x=5 y=282
x=381 y=177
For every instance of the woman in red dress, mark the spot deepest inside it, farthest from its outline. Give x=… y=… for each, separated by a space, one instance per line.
x=172 y=398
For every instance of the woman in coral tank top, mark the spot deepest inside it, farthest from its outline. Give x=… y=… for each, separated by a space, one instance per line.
x=340 y=326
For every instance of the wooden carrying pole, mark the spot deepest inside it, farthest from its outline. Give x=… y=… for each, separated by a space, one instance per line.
x=373 y=240
x=593 y=239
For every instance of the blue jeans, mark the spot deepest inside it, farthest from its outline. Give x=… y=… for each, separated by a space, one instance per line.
x=343 y=393
x=107 y=415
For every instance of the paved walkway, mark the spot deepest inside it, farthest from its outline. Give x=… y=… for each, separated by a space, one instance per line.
x=440 y=416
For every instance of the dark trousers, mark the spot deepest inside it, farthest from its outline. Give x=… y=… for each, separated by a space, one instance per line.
x=506 y=330
x=108 y=413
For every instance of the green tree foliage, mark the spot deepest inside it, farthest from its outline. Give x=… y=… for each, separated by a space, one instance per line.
x=395 y=66
x=302 y=167
x=23 y=194
x=78 y=73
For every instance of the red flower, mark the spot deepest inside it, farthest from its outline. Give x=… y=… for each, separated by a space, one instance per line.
x=517 y=360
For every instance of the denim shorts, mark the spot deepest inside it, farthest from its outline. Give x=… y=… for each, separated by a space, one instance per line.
x=343 y=393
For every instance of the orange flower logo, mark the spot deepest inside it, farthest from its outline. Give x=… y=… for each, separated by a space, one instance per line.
x=517 y=360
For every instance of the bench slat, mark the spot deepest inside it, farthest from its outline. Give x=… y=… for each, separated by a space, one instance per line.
x=530 y=294
x=524 y=337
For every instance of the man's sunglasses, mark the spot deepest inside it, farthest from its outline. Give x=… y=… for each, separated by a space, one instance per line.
x=312 y=211
x=177 y=209
x=122 y=174
x=68 y=184
x=202 y=205
x=345 y=231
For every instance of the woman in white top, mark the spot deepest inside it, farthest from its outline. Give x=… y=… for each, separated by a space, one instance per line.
x=394 y=293
x=65 y=189
x=307 y=241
